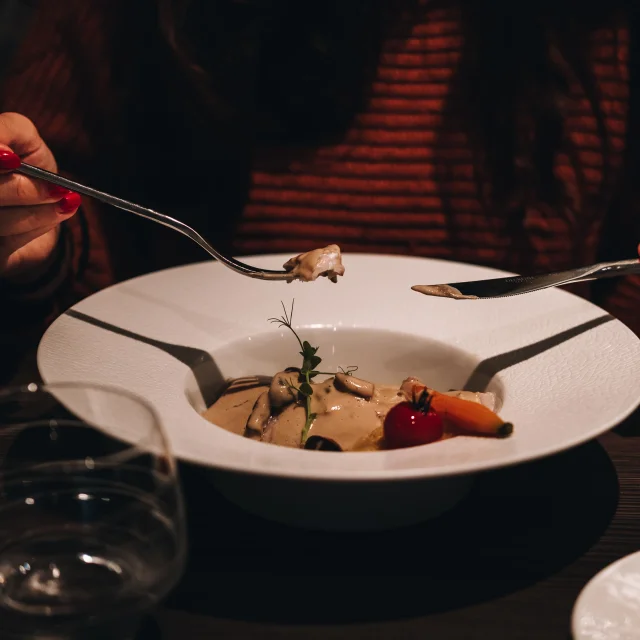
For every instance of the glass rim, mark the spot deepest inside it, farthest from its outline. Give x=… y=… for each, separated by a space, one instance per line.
x=133 y=447
x=33 y=387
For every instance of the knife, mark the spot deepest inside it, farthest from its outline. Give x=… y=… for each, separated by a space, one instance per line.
x=516 y=285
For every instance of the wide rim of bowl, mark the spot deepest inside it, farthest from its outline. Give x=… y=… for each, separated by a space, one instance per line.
x=254 y=458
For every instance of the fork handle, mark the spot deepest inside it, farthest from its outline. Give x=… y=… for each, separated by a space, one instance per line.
x=150 y=214
x=160 y=218
x=120 y=203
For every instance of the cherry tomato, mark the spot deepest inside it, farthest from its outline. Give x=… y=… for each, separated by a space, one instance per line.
x=408 y=426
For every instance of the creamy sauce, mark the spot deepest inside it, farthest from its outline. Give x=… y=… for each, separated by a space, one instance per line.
x=442 y=291
x=346 y=418
x=350 y=412
x=342 y=416
x=313 y=264
x=232 y=409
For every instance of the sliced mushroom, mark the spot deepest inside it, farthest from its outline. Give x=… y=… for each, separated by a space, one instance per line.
x=257 y=422
x=318 y=443
x=280 y=392
x=285 y=426
x=354 y=385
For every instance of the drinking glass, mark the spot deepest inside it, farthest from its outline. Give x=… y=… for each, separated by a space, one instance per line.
x=92 y=530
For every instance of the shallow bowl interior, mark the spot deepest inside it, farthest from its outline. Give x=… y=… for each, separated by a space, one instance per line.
x=382 y=356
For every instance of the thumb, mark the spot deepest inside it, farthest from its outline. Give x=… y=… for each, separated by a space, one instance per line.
x=19 y=136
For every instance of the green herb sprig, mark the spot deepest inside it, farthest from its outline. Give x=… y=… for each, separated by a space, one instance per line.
x=308 y=370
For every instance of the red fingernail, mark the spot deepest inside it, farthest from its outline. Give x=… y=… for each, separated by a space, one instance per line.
x=9 y=160
x=57 y=192
x=70 y=202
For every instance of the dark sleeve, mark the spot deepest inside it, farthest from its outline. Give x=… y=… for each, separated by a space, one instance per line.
x=79 y=266
x=59 y=74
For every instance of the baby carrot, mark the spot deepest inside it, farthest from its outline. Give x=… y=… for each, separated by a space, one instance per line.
x=460 y=414
x=469 y=416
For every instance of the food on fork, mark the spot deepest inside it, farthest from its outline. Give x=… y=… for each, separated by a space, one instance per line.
x=346 y=413
x=314 y=264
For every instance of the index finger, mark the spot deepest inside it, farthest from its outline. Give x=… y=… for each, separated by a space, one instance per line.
x=20 y=190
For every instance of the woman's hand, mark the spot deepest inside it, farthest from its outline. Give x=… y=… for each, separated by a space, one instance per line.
x=30 y=210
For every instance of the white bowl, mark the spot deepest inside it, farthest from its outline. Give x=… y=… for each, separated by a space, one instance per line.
x=564 y=372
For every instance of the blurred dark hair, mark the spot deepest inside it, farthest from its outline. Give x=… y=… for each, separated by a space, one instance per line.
x=296 y=73
x=283 y=71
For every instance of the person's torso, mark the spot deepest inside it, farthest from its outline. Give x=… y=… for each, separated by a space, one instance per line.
x=393 y=186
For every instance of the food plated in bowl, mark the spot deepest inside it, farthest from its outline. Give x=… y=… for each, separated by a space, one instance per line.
x=560 y=369
x=346 y=413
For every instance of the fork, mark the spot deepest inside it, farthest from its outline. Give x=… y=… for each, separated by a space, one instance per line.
x=516 y=285
x=233 y=264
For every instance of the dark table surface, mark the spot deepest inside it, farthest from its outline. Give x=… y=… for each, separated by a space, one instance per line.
x=508 y=562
